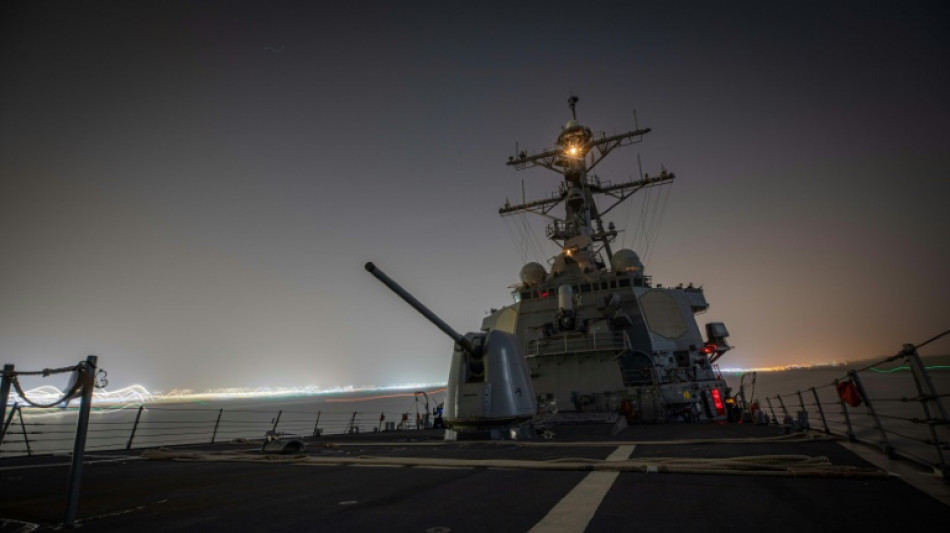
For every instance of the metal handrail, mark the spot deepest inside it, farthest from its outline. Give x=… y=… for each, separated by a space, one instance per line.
x=572 y=343
x=897 y=435
x=28 y=436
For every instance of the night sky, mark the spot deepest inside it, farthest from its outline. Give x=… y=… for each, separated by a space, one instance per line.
x=189 y=190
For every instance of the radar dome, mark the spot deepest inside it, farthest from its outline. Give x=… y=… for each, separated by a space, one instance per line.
x=626 y=260
x=533 y=273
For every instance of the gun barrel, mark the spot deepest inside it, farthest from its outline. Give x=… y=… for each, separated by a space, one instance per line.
x=411 y=300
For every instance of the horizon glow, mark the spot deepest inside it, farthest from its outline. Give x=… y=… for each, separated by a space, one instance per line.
x=138 y=394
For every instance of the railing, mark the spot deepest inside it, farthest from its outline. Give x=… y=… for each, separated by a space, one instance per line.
x=570 y=344
x=898 y=410
x=31 y=431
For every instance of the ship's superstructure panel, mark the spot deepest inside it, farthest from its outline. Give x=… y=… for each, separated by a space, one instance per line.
x=597 y=335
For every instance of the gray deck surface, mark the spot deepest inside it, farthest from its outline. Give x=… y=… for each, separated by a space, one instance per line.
x=121 y=491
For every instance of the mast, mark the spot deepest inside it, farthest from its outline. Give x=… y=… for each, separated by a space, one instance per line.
x=578 y=151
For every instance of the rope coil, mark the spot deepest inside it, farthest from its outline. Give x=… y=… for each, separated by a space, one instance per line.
x=46 y=372
x=66 y=396
x=73 y=390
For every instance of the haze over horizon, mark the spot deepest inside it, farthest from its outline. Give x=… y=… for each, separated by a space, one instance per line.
x=190 y=190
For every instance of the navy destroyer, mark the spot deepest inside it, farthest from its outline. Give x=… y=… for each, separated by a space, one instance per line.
x=589 y=336
x=588 y=346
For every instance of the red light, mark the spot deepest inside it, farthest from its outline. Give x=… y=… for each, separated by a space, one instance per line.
x=717 y=401
x=709 y=349
x=544 y=294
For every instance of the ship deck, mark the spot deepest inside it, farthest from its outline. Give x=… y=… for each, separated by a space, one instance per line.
x=663 y=477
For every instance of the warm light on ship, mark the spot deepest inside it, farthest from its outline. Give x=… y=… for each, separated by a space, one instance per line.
x=574 y=150
x=717 y=401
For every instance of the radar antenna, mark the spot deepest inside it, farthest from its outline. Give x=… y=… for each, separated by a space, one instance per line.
x=578 y=151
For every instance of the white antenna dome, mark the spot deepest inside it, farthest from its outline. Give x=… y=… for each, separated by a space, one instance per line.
x=626 y=260
x=533 y=273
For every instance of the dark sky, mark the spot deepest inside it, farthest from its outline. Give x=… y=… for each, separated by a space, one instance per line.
x=190 y=189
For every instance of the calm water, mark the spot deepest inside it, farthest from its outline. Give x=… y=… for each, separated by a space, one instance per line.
x=111 y=427
x=53 y=430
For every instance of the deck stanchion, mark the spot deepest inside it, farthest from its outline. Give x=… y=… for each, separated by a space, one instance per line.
x=6 y=424
x=277 y=420
x=928 y=393
x=803 y=418
x=787 y=419
x=821 y=412
x=349 y=426
x=82 y=427
x=26 y=438
x=847 y=417
x=217 y=423
x=885 y=445
x=316 y=426
x=920 y=372
x=772 y=409
x=5 y=380
x=135 y=426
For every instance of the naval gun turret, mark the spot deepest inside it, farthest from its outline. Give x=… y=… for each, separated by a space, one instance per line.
x=489 y=386
x=588 y=337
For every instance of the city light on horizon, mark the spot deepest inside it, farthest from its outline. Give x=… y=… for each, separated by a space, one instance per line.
x=137 y=394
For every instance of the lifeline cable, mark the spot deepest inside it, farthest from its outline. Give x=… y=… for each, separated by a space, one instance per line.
x=926 y=342
x=905 y=352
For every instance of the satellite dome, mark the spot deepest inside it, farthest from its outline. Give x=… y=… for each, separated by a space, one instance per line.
x=626 y=260
x=533 y=273
x=570 y=124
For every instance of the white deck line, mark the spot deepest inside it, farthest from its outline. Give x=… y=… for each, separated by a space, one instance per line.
x=574 y=511
x=121 y=459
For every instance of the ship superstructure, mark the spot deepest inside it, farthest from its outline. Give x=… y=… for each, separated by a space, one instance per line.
x=597 y=335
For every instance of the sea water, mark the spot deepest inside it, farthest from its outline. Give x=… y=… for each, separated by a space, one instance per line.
x=220 y=418
x=892 y=392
